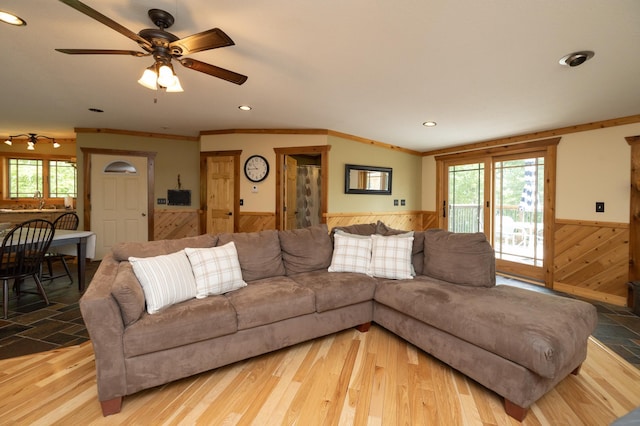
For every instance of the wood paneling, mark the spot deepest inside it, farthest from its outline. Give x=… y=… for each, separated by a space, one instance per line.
x=347 y=378
x=173 y=224
x=410 y=220
x=592 y=260
x=256 y=221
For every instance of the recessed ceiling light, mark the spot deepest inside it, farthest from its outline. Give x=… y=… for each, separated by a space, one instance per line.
x=429 y=124
x=576 y=58
x=245 y=107
x=10 y=18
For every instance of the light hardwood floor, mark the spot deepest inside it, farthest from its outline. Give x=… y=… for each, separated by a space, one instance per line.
x=349 y=378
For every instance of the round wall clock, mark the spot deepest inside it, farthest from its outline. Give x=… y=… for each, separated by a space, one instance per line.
x=256 y=168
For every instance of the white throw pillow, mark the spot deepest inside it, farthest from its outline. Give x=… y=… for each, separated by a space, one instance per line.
x=216 y=269
x=165 y=279
x=351 y=253
x=391 y=257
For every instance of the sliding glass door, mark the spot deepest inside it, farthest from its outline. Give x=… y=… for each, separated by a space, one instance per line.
x=502 y=195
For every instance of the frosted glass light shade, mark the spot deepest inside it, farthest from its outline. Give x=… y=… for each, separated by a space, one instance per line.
x=149 y=79
x=166 y=77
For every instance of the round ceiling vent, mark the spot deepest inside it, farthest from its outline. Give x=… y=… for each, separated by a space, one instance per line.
x=576 y=58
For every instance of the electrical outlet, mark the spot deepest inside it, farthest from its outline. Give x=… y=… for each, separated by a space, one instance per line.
x=395 y=202
x=599 y=206
x=162 y=201
x=403 y=202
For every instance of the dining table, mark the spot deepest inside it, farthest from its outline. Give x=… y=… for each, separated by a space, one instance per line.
x=81 y=244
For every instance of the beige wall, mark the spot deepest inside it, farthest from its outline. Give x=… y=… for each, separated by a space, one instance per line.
x=406 y=180
x=592 y=166
x=258 y=144
x=173 y=157
x=595 y=166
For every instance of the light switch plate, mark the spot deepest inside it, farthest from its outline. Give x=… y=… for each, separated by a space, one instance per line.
x=599 y=206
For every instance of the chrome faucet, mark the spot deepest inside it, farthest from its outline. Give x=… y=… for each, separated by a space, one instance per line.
x=38 y=196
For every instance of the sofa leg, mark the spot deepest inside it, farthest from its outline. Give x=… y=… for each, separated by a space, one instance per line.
x=111 y=406
x=363 y=328
x=577 y=370
x=515 y=411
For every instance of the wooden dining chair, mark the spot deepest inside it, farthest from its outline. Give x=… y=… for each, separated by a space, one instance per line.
x=21 y=255
x=67 y=221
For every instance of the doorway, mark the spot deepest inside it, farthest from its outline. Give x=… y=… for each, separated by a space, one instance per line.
x=303 y=189
x=509 y=195
x=118 y=196
x=219 y=190
x=301 y=183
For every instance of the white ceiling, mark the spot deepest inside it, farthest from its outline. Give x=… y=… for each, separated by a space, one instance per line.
x=371 y=68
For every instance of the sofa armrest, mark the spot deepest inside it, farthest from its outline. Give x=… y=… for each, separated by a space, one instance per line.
x=103 y=319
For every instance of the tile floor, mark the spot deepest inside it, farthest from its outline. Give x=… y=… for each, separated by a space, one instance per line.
x=34 y=327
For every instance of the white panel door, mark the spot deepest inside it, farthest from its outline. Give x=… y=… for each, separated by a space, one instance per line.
x=118 y=200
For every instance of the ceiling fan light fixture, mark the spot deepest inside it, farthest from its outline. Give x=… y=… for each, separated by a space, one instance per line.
x=176 y=87
x=149 y=78
x=166 y=76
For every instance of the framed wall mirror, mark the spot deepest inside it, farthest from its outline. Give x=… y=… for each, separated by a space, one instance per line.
x=367 y=179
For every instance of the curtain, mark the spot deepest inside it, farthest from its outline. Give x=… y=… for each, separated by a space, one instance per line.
x=308 y=190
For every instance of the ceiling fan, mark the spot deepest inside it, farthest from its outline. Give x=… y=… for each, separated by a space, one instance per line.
x=164 y=47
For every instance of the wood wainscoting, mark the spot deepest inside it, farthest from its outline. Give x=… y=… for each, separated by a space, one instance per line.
x=406 y=220
x=172 y=224
x=592 y=260
x=256 y=221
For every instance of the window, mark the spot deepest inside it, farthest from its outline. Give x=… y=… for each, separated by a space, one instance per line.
x=62 y=179
x=508 y=193
x=26 y=176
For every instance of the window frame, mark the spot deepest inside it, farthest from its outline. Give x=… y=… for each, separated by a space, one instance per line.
x=45 y=185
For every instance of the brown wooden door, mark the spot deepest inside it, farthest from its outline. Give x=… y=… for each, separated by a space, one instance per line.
x=220 y=197
x=291 y=202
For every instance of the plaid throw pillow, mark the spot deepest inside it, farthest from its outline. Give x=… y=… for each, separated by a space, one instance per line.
x=351 y=253
x=216 y=269
x=391 y=257
x=165 y=279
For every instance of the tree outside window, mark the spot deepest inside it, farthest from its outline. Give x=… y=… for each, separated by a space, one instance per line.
x=26 y=176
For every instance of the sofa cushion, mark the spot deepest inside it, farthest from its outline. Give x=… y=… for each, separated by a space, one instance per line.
x=391 y=257
x=417 y=251
x=215 y=269
x=335 y=290
x=351 y=253
x=520 y=325
x=258 y=252
x=357 y=229
x=181 y=324
x=306 y=249
x=165 y=279
x=128 y=293
x=270 y=300
x=459 y=258
x=122 y=251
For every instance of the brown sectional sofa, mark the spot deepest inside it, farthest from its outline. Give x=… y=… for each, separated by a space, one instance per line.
x=515 y=342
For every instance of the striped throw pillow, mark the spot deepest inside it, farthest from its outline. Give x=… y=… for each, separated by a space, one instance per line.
x=165 y=279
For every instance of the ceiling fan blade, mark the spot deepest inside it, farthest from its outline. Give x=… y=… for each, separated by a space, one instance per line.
x=83 y=8
x=102 y=52
x=210 y=39
x=213 y=70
